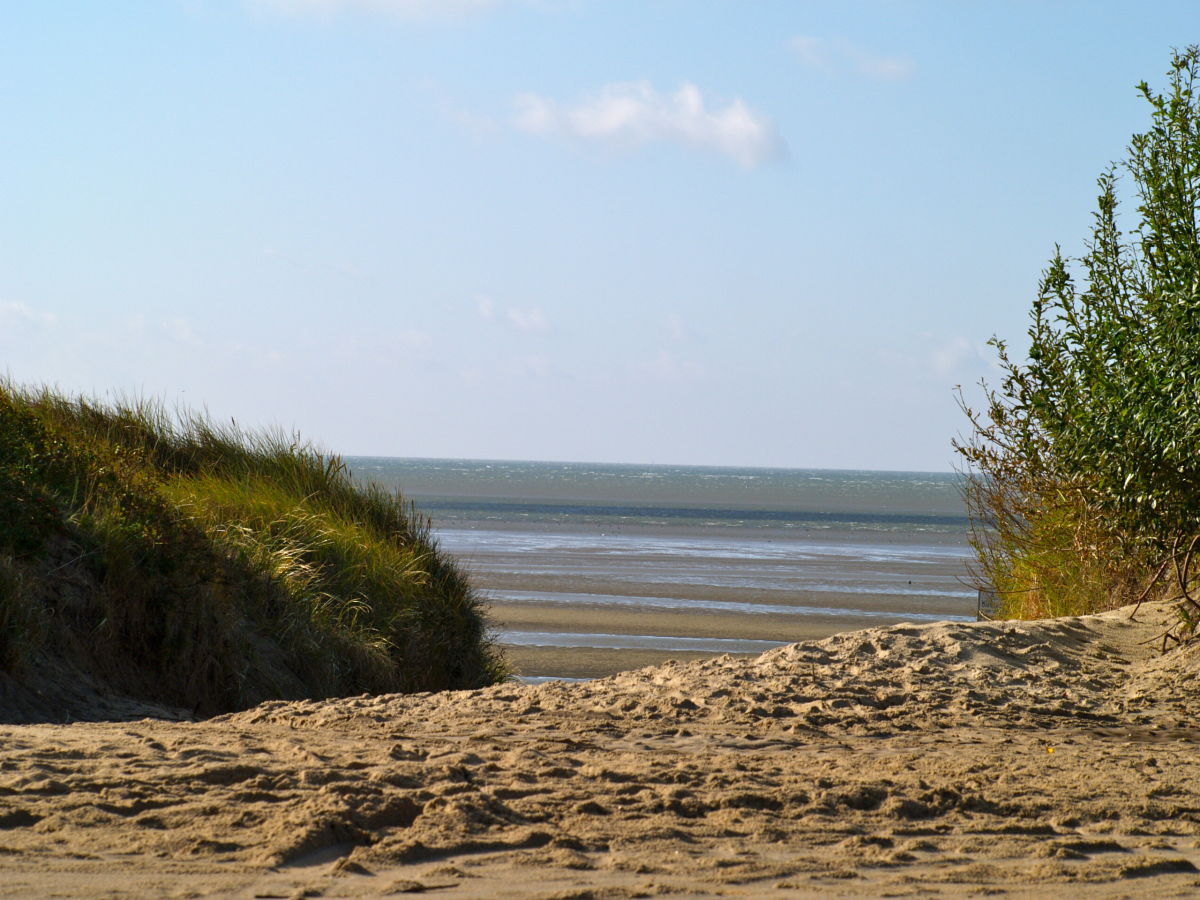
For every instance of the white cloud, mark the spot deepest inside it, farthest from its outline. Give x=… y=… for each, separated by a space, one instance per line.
x=14 y=314
x=677 y=328
x=473 y=124
x=834 y=56
x=666 y=366
x=181 y=331
x=950 y=356
x=537 y=366
x=402 y=9
x=412 y=339
x=630 y=114
x=530 y=320
x=315 y=264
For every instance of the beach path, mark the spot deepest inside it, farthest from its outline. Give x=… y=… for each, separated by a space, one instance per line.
x=943 y=759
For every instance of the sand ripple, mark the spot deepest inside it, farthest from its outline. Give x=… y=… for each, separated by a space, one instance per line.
x=940 y=759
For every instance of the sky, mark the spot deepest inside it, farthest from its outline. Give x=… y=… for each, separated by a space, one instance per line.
x=721 y=232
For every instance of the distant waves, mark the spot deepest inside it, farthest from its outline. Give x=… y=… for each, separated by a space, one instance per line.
x=510 y=511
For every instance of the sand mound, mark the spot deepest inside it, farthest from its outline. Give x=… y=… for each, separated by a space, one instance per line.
x=942 y=759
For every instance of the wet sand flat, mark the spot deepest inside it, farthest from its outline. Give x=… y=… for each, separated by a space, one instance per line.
x=690 y=625
x=594 y=662
x=662 y=584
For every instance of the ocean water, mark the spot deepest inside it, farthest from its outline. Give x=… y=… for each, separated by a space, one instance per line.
x=692 y=559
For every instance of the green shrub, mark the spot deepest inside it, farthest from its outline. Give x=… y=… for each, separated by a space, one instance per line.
x=1084 y=464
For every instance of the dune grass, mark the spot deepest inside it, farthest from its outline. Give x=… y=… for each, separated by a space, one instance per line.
x=212 y=568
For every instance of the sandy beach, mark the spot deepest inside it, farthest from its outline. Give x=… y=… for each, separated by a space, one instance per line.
x=945 y=759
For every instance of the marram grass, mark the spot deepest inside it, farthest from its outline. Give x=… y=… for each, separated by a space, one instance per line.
x=212 y=568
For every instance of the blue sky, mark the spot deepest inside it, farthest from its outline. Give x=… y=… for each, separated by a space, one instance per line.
x=675 y=231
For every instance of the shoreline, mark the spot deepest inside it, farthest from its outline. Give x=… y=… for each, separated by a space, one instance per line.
x=596 y=662
x=687 y=622
x=667 y=585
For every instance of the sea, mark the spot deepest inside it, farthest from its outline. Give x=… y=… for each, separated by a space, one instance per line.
x=591 y=568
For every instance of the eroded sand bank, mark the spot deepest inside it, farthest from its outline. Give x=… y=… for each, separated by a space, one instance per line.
x=947 y=759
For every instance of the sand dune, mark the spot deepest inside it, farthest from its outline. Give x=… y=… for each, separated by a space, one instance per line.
x=947 y=760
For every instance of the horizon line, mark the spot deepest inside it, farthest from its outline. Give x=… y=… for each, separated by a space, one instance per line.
x=582 y=462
